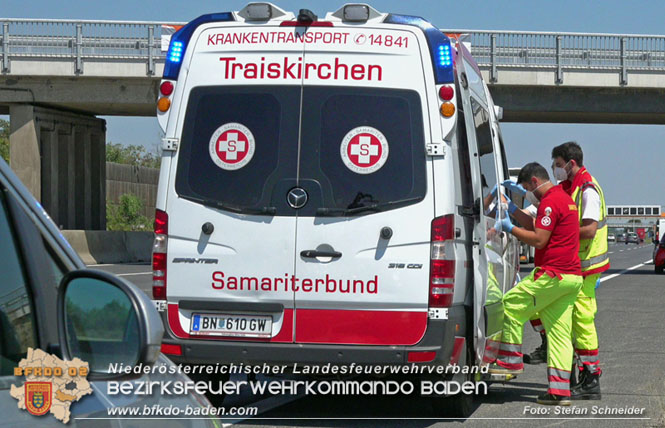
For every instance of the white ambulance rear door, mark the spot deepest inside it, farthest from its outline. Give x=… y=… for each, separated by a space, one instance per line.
x=236 y=162
x=364 y=168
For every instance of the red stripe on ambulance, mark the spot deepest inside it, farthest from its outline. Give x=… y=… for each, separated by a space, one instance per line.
x=360 y=327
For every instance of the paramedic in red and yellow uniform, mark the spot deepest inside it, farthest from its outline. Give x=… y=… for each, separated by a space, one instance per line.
x=550 y=289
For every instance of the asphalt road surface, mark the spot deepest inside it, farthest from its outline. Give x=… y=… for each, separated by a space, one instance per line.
x=631 y=302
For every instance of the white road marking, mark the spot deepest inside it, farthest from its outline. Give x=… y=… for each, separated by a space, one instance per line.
x=626 y=270
x=135 y=273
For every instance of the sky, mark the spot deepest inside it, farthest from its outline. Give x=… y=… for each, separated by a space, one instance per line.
x=627 y=160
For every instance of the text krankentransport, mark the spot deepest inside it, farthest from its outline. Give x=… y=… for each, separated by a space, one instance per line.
x=271 y=37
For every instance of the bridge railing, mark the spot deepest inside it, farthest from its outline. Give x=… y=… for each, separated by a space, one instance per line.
x=559 y=51
x=80 y=40
x=84 y=39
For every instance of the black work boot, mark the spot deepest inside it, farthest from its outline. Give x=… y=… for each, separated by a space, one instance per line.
x=588 y=388
x=553 y=400
x=539 y=355
x=577 y=381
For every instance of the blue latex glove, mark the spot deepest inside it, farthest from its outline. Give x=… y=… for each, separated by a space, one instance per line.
x=503 y=224
x=598 y=283
x=511 y=205
x=514 y=187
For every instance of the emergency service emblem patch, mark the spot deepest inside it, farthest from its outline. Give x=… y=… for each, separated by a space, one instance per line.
x=548 y=211
x=232 y=146
x=364 y=150
x=38 y=397
x=546 y=221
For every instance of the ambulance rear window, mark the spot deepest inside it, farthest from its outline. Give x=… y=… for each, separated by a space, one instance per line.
x=336 y=120
x=355 y=150
x=263 y=119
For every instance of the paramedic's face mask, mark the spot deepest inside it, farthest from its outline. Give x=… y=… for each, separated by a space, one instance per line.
x=561 y=173
x=530 y=195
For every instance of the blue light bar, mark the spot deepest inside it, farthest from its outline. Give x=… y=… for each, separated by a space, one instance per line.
x=181 y=38
x=439 y=46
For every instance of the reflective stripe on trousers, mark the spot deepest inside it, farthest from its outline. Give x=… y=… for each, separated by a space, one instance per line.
x=510 y=356
x=559 y=381
x=589 y=359
x=537 y=325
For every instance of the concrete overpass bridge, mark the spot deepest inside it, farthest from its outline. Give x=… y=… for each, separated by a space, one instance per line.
x=56 y=76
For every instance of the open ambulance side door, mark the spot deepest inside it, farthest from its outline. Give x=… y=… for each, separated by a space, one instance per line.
x=488 y=244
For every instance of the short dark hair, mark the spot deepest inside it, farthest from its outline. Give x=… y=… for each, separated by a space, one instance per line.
x=569 y=150
x=533 y=169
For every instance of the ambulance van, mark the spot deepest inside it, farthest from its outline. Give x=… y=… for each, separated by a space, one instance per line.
x=325 y=193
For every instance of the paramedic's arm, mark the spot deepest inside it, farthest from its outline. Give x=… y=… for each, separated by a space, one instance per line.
x=537 y=238
x=524 y=218
x=590 y=214
x=588 y=229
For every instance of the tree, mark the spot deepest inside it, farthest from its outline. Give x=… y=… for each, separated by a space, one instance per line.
x=131 y=155
x=4 y=139
x=126 y=214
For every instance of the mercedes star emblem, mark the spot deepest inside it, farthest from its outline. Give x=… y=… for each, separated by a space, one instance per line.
x=297 y=197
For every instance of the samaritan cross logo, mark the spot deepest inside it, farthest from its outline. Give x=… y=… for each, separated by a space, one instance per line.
x=365 y=148
x=230 y=144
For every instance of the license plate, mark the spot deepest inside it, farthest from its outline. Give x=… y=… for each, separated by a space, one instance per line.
x=231 y=325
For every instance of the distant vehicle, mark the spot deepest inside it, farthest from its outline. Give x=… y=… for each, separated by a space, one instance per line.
x=611 y=238
x=633 y=238
x=659 y=256
x=621 y=237
x=641 y=233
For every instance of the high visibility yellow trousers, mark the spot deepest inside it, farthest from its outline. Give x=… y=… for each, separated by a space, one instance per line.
x=584 y=328
x=553 y=299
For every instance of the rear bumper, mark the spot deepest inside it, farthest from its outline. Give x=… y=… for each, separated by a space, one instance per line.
x=439 y=338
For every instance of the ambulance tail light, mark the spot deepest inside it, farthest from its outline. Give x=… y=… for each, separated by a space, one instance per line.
x=446 y=92
x=180 y=40
x=442 y=265
x=166 y=88
x=439 y=46
x=159 y=255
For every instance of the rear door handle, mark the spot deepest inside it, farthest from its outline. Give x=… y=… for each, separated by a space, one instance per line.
x=310 y=254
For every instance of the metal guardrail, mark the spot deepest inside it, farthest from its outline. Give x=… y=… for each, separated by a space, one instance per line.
x=84 y=39
x=81 y=40
x=559 y=51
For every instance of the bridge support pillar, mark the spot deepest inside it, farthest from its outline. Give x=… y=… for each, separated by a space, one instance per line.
x=61 y=158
